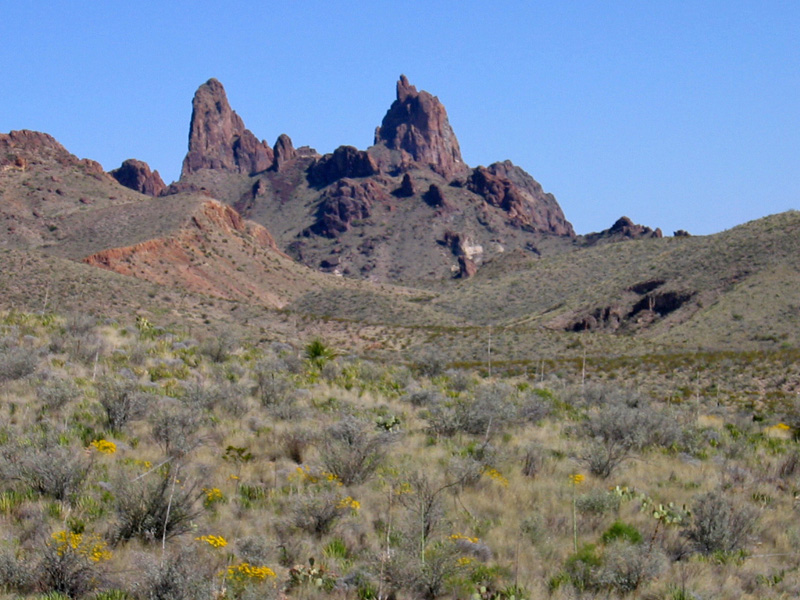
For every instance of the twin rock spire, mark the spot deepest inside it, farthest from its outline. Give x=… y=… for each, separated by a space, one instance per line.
x=416 y=125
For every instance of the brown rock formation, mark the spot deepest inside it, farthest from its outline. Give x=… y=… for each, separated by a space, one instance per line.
x=417 y=124
x=510 y=188
x=343 y=203
x=136 y=175
x=458 y=245
x=22 y=148
x=406 y=189
x=623 y=229
x=435 y=198
x=466 y=268
x=346 y=161
x=218 y=138
x=283 y=151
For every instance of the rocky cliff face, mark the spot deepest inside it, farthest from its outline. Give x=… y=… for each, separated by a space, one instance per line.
x=136 y=175
x=218 y=138
x=417 y=124
x=508 y=187
x=346 y=161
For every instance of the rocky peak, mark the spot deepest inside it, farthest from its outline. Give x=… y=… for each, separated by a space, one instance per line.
x=283 y=151
x=218 y=138
x=417 y=124
x=136 y=175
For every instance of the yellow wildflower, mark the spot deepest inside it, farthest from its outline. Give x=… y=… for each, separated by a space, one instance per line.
x=104 y=446
x=213 y=496
x=577 y=478
x=91 y=547
x=350 y=503
x=215 y=541
x=496 y=475
x=252 y=572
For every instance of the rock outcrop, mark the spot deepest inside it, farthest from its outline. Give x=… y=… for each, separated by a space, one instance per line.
x=506 y=186
x=21 y=148
x=343 y=203
x=417 y=124
x=623 y=229
x=406 y=189
x=136 y=175
x=435 y=198
x=464 y=251
x=218 y=138
x=346 y=161
x=283 y=152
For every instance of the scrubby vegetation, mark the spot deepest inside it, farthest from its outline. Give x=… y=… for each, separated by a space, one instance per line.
x=137 y=462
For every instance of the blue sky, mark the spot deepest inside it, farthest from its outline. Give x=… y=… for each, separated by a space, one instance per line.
x=681 y=115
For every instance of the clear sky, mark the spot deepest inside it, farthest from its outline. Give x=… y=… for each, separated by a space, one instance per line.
x=680 y=115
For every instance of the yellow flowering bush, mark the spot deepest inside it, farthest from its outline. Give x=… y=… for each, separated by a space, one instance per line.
x=104 y=446
x=496 y=475
x=577 y=478
x=212 y=496
x=91 y=547
x=305 y=475
x=215 y=541
x=349 y=502
x=245 y=573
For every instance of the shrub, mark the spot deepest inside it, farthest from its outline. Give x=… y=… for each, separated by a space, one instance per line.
x=175 y=428
x=431 y=363
x=15 y=362
x=619 y=429
x=121 y=401
x=47 y=467
x=535 y=406
x=533 y=460
x=490 y=411
x=622 y=531
x=423 y=397
x=274 y=388
x=597 y=503
x=720 y=525
x=317 y=513
x=15 y=574
x=352 y=450
x=582 y=568
x=65 y=569
x=218 y=347
x=57 y=393
x=626 y=566
x=154 y=507
x=177 y=576
x=318 y=353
